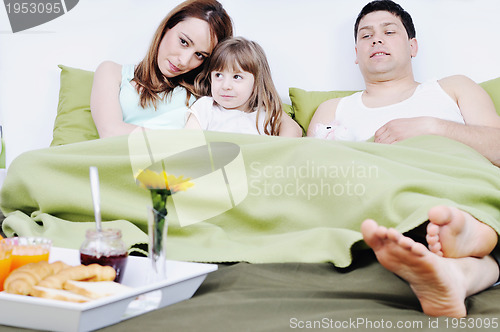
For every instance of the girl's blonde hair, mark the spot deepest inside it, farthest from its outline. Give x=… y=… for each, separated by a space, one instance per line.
x=150 y=81
x=237 y=54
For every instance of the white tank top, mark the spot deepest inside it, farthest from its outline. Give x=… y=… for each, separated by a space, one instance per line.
x=429 y=99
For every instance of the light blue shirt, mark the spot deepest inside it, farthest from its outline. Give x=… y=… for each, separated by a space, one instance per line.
x=170 y=112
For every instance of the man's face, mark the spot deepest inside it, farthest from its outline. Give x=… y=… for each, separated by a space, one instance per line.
x=382 y=45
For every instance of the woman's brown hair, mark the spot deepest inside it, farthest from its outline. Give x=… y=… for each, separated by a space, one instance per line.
x=239 y=53
x=150 y=82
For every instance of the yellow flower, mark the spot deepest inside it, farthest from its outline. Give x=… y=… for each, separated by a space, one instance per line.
x=149 y=179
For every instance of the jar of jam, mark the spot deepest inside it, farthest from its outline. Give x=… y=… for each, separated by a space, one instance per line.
x=105 y=248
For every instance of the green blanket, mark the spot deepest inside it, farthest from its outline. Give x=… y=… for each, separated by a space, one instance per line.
x=257 y=199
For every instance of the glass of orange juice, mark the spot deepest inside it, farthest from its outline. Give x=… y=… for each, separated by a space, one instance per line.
x=27 y=250
x=5 y=260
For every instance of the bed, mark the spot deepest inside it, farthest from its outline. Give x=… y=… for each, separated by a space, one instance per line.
x=289 y=260
x=289 y=249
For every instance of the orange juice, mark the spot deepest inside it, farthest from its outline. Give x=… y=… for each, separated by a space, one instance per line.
x=5 y=261
x=29 y=250
x=22 y=256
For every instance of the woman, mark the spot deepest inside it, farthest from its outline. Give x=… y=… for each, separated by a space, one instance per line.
x=157 y=92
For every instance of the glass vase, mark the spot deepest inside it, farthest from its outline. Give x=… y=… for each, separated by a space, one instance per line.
x=157 y=231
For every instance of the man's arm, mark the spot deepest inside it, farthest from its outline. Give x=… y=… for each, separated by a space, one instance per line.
x=484 y=139
x=482 y=124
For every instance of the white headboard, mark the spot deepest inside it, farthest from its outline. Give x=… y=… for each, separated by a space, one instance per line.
x=309 y=45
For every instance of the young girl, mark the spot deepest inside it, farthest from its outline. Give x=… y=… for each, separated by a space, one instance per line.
x=243 y=97
x=156 y=92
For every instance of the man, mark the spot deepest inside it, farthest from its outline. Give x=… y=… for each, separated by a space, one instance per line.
x=385 y=44
x=394 y=107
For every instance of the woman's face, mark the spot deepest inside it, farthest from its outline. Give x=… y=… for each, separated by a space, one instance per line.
x=184 y=47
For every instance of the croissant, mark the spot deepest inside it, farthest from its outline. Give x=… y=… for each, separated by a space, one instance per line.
x=21 y=280
x=92 y=272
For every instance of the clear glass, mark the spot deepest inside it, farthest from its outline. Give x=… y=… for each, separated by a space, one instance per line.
x=157 y=230
x=27 y=250
x=105 y=248
x=5 y=260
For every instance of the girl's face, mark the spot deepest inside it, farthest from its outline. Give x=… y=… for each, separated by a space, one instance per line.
x=184 y=47
x=232 y=89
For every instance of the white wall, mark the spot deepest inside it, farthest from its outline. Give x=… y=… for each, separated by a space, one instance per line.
x=309 y=44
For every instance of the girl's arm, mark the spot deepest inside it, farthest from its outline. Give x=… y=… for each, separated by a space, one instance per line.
x=289 y=127
x=104 y=103
x=192 y=122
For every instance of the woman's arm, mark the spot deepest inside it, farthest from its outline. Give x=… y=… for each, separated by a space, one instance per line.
x=104 y=102
x=289 y=127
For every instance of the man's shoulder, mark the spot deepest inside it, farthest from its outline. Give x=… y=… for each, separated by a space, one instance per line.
x=457 y=85
x=455 y=80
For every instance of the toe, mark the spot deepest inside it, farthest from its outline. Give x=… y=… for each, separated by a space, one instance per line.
x=435 y=248
x=406 y=242
x=432 y=240
x=432 y=229
x=440 y=215
x=369 y=230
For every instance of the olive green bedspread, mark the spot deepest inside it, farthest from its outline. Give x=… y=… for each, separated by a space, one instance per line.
x=310 y=296
x=307 y=296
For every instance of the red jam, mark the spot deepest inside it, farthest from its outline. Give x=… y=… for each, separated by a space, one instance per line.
x=118 y=262
x=105 y=248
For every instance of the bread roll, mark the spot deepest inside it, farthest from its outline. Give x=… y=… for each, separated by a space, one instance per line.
x=94 y=272
x=95 y=289
x=58 y=294
x=21 y=280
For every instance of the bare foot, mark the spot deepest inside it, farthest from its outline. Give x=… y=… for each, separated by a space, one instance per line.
x=454 y=233
x=438 y=282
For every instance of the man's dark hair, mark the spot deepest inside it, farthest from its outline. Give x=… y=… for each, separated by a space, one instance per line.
x=391 y=7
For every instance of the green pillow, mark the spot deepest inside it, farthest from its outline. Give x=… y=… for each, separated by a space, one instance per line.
x=493 y=89
x=305 y=103
x=74 y=122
